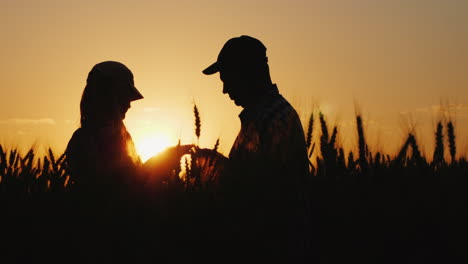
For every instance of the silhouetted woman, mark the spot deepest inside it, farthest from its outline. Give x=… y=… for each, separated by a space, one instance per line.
x=101 y=152
x=104 y=166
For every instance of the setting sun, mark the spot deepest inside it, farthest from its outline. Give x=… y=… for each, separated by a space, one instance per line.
x=151 y=145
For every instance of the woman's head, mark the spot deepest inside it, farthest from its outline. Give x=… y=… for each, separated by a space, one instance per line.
x=109 y=90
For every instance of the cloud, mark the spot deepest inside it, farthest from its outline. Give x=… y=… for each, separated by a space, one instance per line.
x=150 y=109
x=144 y=122
x=458 y=107
x=23 y=121
x=444 y=108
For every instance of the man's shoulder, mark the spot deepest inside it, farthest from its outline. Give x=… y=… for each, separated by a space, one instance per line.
x=278 y=109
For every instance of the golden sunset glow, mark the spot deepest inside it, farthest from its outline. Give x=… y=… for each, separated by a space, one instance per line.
x=151 y=145
x=324 y=54
x=160 y=131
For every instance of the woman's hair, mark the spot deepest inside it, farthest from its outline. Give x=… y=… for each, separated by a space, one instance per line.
x=100 y=100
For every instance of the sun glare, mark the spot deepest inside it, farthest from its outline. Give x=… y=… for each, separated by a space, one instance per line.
x=151 y=145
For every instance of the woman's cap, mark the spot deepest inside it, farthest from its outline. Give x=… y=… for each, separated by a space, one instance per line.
x=112 y=71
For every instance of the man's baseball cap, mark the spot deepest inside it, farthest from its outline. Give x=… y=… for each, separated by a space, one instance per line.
x=241 y=51
x=112 y=70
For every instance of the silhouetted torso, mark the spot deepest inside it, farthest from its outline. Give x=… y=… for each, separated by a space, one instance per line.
x=271 y=130
x=102 y=156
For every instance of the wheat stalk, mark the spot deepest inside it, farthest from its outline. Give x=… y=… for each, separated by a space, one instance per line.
x=403 y=151
x=416 y=152
x=215 y=148
x=309 y=131
x=362 y=142
x=451 y=139
x=333 y=137
x=438 y=156
x=323 y=124
x=197 y=121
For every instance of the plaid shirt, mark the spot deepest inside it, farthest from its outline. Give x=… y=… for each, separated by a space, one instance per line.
x=271 y=132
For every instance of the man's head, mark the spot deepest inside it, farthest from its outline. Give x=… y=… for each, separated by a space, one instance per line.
x=243 y=67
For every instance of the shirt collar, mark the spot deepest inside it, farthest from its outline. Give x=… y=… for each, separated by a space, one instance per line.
x=249 y=113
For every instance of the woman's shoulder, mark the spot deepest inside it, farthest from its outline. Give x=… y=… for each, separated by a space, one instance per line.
x=76 y=136
x=80 y=138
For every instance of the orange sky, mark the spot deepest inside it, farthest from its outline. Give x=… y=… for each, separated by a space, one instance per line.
x=396 y=59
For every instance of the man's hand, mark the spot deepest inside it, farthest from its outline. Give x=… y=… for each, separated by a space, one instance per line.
x=212 y=164
x=161 y=165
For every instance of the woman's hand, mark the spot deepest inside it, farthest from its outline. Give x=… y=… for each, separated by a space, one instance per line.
x=162 y=165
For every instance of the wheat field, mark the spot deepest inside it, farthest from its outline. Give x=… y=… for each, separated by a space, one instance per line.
x=364 y=206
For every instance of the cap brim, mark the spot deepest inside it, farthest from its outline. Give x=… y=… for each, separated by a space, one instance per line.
x=212 y=69
x=136 y=95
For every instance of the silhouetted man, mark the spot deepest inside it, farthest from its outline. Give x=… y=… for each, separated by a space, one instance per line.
x=268 y=161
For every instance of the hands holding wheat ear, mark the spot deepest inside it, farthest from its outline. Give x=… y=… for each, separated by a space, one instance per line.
x=162 y=164
x=205 y=166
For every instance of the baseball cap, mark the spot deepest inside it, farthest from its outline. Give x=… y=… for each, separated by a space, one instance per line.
x=239 y=51
x=116 y=71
